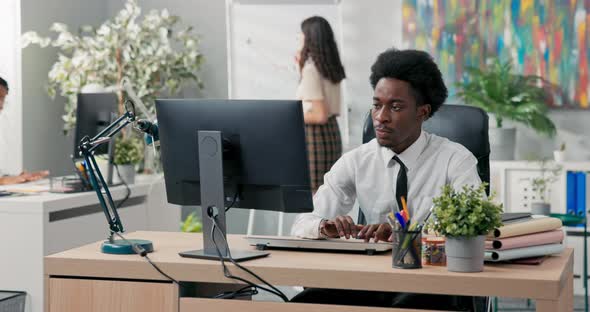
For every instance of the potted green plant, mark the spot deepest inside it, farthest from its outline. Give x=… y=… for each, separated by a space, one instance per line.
x=541 y=186
x=128 y=153
x=506 y=95
x=559 y=154
x=154 y=54
x=465 y=217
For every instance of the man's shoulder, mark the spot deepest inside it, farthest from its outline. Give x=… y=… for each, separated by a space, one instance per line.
x=362 y=152
x=370 y=147
x=440 y=145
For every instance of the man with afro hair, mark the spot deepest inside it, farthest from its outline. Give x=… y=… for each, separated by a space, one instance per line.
x=402 y=161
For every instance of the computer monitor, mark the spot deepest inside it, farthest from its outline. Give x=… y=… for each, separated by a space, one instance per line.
x=215 y=151
x=94 y=112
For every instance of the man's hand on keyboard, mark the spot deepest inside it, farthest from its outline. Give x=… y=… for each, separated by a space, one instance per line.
x=341 y=226
x=380 y=232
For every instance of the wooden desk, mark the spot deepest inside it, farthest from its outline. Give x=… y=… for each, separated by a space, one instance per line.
x=83 y=279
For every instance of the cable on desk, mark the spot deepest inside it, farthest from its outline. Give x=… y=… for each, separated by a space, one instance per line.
x=142 y=253
x=232 y=202
x=273 y=290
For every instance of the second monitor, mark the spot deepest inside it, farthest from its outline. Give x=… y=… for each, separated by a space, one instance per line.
x=251 y=153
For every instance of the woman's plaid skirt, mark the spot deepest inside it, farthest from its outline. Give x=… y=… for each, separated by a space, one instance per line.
x=324 y=147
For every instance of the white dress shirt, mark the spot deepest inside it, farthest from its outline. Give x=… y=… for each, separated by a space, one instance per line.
x=369 y=174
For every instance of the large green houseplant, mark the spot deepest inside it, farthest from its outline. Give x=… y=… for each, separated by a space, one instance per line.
x=465 y=217
x=154 y=55
x=508 y=96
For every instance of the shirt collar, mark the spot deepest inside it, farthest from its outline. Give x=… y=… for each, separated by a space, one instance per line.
x=410 y=156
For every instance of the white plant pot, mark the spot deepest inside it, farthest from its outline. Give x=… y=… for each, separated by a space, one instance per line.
x=127 y=173
x=502 y=143
x=559 y=156
x=465 y=254
x=93 y=88
x=541 y=209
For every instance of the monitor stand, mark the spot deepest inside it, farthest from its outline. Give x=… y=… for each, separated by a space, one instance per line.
x=212 y=202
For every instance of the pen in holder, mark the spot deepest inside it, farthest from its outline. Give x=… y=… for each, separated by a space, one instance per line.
x=407 y=249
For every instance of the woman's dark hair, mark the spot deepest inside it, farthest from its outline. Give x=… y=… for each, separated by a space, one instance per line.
x=416 y=68
x=3 y=83
x=320 y=45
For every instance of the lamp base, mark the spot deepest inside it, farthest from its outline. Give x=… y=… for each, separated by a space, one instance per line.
x=121 y=247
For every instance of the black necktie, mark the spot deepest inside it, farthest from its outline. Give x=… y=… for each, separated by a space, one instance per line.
x=401 y=186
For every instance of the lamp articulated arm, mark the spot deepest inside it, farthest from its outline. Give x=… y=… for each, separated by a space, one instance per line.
x=87 y=146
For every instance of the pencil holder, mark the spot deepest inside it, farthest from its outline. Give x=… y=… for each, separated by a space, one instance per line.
x=67 y=184
x=407 y=249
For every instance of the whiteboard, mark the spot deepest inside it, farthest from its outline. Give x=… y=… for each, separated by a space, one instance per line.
x=262 y=40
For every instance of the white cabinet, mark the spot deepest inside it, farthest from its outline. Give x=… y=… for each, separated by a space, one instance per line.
x=39 y=225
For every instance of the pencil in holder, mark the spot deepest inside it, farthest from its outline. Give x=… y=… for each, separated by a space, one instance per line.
x=407 y=249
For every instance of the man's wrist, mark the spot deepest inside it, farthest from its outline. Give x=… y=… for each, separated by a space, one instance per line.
x=322 y=233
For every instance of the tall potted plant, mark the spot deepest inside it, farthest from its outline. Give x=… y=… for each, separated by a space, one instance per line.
x=154 y=54
x=506 y=95
x=465 y=217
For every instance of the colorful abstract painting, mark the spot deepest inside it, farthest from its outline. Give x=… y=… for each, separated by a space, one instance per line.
x=548 y=38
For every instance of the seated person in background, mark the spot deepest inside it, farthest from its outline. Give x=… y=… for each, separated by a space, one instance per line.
x=25 y=176
x=403 y=160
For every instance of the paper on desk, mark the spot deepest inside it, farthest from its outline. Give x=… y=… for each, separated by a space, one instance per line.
x=535 y=239
x=525 y=252
x=522 y=228
x=28 y=189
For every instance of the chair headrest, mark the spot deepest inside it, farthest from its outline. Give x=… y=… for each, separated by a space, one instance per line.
x=466 y=125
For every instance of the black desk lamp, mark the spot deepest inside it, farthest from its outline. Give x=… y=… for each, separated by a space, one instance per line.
x=87 y=146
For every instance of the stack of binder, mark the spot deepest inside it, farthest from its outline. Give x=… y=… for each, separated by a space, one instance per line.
x=525 y=238
x=577 y=188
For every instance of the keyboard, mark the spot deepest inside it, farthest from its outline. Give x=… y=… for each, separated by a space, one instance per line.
x=331 y=244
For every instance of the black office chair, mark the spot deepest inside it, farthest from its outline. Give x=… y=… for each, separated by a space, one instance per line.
x=466 y=125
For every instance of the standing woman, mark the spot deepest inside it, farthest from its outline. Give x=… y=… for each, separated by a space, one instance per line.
x=319 y=88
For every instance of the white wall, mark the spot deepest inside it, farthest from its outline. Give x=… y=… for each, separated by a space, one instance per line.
x=368 y=29
x=573 y=127
x=44 y=145
x=11 y=129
